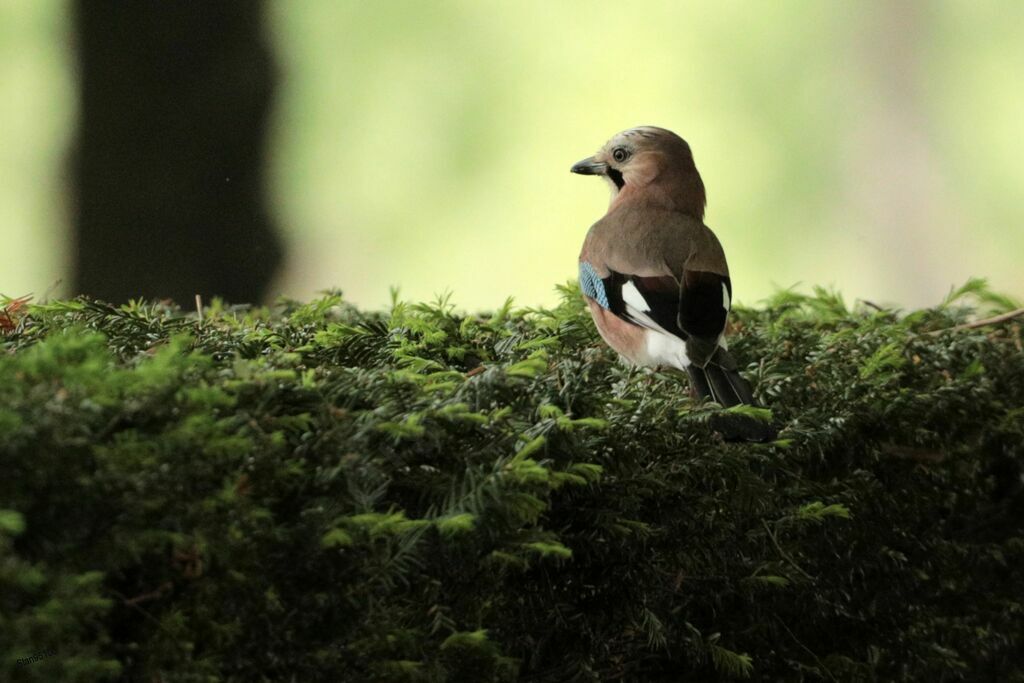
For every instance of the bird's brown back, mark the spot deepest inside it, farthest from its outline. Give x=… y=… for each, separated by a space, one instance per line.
x=649 y=241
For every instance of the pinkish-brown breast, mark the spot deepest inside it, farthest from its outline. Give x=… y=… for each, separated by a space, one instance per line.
x=624 y=337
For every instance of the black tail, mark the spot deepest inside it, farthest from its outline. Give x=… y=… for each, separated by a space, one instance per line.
x=726 y=387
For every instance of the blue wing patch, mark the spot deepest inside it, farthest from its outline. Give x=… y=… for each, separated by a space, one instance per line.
x=592 y=285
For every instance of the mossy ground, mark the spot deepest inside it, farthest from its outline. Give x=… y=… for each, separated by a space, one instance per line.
x=316 y=493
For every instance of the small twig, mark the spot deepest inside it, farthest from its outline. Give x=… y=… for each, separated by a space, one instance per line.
x=8 y=318
x=49 y=290
x=994 y=320
x=782 y=552
x=152 y=595
x=911 y=453
x=199 y=308
x=806 y=649
x=127 y=602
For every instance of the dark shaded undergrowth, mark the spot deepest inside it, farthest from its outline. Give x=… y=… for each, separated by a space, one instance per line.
x=316 y=493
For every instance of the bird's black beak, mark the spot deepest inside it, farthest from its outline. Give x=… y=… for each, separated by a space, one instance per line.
x=590 y=166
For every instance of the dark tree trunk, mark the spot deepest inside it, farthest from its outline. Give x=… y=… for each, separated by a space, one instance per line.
x=169 y=162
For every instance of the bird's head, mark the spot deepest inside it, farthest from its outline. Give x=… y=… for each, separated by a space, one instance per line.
x=652 y=164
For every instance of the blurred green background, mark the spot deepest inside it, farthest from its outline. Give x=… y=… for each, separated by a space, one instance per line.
x=873 y=146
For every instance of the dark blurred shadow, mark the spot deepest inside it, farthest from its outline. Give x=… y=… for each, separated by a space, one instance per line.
x=169 y=159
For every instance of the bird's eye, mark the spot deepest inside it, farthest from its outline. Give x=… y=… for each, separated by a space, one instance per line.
x=620 y=154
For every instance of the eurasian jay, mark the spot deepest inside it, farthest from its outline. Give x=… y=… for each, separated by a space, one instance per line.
x=654 y=276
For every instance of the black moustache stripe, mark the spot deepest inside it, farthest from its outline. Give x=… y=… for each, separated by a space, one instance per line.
x=616 y=177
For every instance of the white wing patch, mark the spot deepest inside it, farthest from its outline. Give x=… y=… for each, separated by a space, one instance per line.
x=637 y=309
x=662 y=348
x=725 y=297
x=632 y=297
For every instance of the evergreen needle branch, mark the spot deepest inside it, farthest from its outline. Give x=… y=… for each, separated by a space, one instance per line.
x=365 y=513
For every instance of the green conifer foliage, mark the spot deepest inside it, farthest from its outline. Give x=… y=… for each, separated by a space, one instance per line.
x=312 y=493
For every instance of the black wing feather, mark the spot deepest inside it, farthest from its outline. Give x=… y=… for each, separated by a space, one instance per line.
x=701 y=309
x=692 y=310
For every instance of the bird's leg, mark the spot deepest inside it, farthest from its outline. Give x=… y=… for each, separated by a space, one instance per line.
x=683 y=380
x=630 y=375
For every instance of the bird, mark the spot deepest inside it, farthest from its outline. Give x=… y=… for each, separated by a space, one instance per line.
x=655 y=277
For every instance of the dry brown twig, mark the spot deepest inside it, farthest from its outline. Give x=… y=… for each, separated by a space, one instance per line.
x=199 y=308
x=9 y=313
x=994 y=320
x=911 y=453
